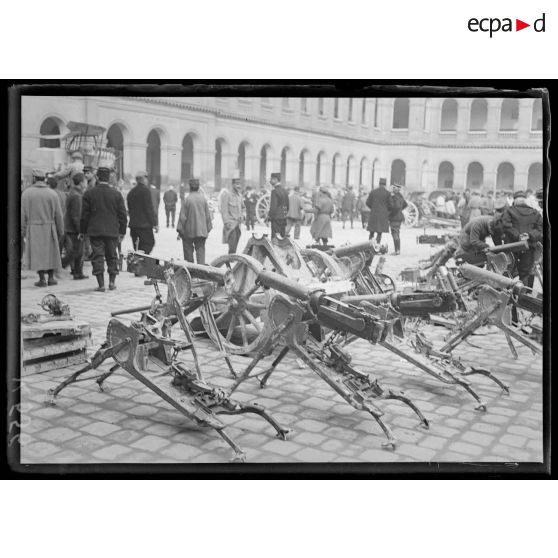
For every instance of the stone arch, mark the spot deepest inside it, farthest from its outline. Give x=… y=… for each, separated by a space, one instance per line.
x=189 y=158
x=303 y=168
x=505 y=176
x=509 y=114
x=445 y=174
x=266 y=154
x=221 y=146
x=335 y=169
x=153 y=157
x=320 y=170
x=243 y=154
x=118 y=135
x=51 y=126
x=448 y=117
x=478 y=116
x=398 y=172
x=350 y=171
x=362 y=171
x=475 y=175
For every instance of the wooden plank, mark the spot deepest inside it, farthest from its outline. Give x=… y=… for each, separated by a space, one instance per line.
x=67 y=327
x=41 y=350
x=57 y=363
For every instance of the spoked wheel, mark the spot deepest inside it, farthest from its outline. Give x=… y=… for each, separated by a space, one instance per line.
x=387 y=283
x=262 y=208
x=411 y=214
x=322 y=264
x=239 y=309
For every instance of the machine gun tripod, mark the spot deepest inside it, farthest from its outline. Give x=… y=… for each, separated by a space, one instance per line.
x=147 y=352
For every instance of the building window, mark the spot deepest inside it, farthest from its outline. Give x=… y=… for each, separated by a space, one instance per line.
x=479 y=111
x=321 y=106
x=375 y=113
x=448 y=122
x=304 y=104
x=445 y=175
x=505 y=176
x=401 y=114
x=350 y=110
x=398 y=171
x=363 y=112
x=509 y=115
x=336 y=108
x=49 y=127
x=475 y=175
x=536 y=120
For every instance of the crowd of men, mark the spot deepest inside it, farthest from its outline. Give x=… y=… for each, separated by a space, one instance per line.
x=78 y=214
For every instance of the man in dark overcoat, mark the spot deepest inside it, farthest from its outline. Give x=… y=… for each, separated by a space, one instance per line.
x=278 y=206
x=472 y=239
x=72 y=217
x=378 y=202
x=396 y=204
x=103 y=219
x=143 y=220
x=169 y=199
x=194 y=223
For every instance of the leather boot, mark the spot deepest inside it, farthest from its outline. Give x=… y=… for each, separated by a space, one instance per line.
x=101 y=282
x=112 y=285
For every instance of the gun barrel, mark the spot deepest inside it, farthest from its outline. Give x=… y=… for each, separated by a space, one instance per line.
x=511 y=247
x=206 y=272
x=285 y=285
x=131 y=310
x=353 y=249
x=373 y=298
x=475 y=273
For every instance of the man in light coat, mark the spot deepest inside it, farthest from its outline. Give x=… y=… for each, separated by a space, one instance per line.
x=43 y=226
x=230 y=205
x=194 y=223
x=295 y=215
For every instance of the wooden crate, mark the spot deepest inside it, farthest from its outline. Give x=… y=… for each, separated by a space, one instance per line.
x=52 y=345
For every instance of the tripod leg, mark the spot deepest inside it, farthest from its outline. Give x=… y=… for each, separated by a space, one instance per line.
x=404 y=399
x=488 y=374
x=104 y=376
x=240 y=456
x=267 y=373
x=258 y=410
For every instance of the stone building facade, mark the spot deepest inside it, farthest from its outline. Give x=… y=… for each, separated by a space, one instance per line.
x=423 y=143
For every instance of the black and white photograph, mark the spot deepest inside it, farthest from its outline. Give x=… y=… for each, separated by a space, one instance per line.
x=348 y=277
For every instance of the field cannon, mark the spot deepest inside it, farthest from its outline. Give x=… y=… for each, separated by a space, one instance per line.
x=145 y=348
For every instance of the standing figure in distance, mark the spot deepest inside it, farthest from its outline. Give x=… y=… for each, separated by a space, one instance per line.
x=250 y=201
x=194 y=223
x=169 y=199
x=323 y=210
x=103 y=219
x=348 y=204
x=230 y=205
x=143 y=220
x=362 y=208
x=72 y=217
x=278 y=206
x=378 y=221
x=43 y=227
x=397 y=204
x=156 y=200
x=295 y=215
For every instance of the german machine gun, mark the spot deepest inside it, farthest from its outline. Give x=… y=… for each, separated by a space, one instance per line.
x=146 y=350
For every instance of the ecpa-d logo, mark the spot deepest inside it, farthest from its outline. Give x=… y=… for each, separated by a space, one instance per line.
x=495 y=24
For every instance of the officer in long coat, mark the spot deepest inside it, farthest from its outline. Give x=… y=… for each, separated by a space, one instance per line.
x=194 y=223
x=143 y=219
x=378 y=202
x=323 y=209
x=396 y=204
x=278 y=206
x=43 y=226
x=523 y=222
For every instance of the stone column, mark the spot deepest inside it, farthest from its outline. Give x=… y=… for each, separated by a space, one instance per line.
x=252 y=170
x=493 y=118
x=463 y=114
x=135 y=159
x=309 y=176
x=204 y=165
x=460 y=178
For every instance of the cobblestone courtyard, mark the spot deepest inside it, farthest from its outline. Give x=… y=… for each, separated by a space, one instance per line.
x=129 y=424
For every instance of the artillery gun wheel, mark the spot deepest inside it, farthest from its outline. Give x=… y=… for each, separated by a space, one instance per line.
x=239 y=308
x=411 y=214
x=323 y=264
x=262 y=208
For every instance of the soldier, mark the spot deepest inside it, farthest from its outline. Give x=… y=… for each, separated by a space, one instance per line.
x=90 y=177
x=63 y=176
x=42 y=226
x=278 y=206
x=396 y=205
x=348 y=204
x=103 y=218
x=230 y=205
x=323 y=210
x=472 y=239
x=295 y=215
x=169 y=199
x=362 y=208
x=378 y=221
x=156 y=199
x=522 y=222
x=194 y=223
x=72 y=217
x=143 y=220
x=250 y=202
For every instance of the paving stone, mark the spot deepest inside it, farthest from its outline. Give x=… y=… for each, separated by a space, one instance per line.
x=86 y=444
x=486 y=428
x=150 y=443
x=125 y=436
x=509 y=453
x=112 y=452
x=433 y=442
x=36 y=451
x=36 y=424
x=308 y=438
x=530 y=433
x=341 y=433
x=447 y=410
x=414 y=452
x=311 y=425
x=467 y=449
x=512 y=440
x=181 y=452
x=143 y=411
x=84 y=408
x=49 y=413
x=281 y=447
x=59 y=434
x=314 y=455
x=377 y=455
x=478 y=438
x=99 y=428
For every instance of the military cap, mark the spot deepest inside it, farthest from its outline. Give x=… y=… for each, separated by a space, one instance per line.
x=519 y=194
x=236 y=180
x=397 y=185
x=382 y=182
x=88 y=168
x=141 y=174
x=194 y=182
x=38 y=173
x=77 y=155
x=276 y=175
x=103 y=174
